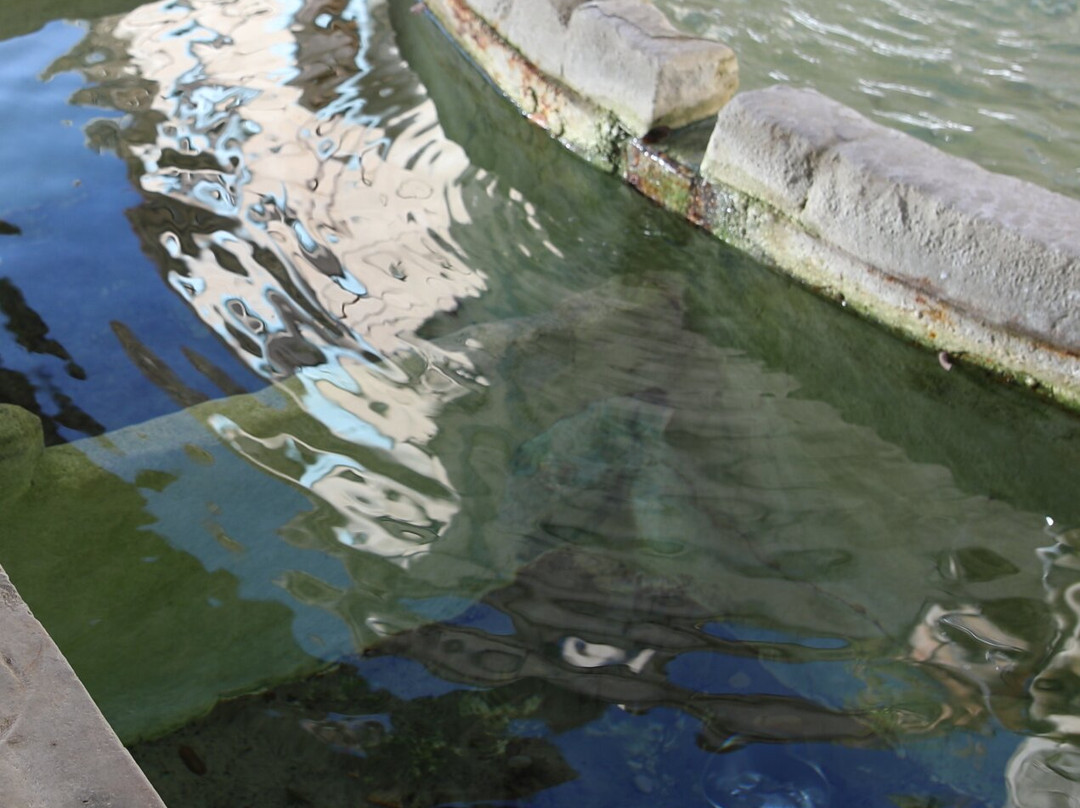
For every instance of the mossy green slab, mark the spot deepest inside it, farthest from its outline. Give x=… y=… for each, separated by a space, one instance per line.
x=153 y=634
x=174 y=569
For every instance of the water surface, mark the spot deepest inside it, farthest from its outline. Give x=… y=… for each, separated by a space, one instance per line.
x=995 y=82
x=586 y=507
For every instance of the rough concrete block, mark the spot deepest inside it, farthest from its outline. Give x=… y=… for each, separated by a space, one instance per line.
x=768 y=142
x=622 y=54
x=627 y=57
x=56 y=751
x=1005 y=251
x=1000 y=248
x=538 y=25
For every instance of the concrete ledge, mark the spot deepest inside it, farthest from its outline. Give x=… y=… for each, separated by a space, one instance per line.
x=982 y=267
x=622 y=54
x=56 y=750
x=579 y=123
x=1003 y=250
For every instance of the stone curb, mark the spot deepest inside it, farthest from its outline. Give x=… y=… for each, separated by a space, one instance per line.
x=982 y=267
x=56 y=749
x=993 y=244
x=624 y=55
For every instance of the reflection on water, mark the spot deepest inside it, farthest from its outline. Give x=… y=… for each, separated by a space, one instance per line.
x=571 y=698
x=298 y=201
x=32 y=334
x=598 y=511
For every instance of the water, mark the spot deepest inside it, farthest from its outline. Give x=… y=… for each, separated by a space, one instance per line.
x=586 y=508
x=995 y=82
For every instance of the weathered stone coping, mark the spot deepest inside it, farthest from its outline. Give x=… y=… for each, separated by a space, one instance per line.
x=56 y=749
x=623 y=54
x=981 y=267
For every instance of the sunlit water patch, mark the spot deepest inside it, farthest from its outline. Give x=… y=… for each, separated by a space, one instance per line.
x=994 y=82
x=590 y=509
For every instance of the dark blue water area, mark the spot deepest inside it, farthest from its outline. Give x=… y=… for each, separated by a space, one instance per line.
x=462 y=612
x=629 y=757
x=404 y=679
x=707 y=672
x=76 y=263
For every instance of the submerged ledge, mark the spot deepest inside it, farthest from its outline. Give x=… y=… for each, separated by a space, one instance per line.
x=978 y=266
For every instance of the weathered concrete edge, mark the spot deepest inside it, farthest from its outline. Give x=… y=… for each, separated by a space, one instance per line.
x=579 y=123
x=56 y=749
x=623 y=54
x=737 y=214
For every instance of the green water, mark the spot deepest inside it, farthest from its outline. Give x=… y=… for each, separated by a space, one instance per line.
x=996 y=82
x=719 y=514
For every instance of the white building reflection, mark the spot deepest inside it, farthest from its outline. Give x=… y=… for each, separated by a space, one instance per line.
x=323 y=242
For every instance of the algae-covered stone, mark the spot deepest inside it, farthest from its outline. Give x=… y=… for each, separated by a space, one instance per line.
x=21 y=446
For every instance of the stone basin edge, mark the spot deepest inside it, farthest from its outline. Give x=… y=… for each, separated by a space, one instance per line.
x=980 y=267
x=56 y=749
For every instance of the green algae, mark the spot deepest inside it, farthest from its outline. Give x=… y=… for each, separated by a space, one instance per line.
x=153 y=635
x=21 y=448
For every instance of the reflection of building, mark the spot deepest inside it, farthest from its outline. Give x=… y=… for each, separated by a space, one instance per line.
x=579 y=626
x=295 y=198
x=304 y=216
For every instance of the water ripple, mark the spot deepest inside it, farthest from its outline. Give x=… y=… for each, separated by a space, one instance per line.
x=932 y=67
x=298 y=193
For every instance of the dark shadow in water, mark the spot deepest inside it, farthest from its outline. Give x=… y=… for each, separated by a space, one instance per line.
x=335 y=741
x=590 y=626
x=155 y=369
x=32 y=333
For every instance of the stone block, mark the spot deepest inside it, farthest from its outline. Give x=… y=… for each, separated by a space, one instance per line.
x=1004 y=251
x=768 y=142
x=624 y=55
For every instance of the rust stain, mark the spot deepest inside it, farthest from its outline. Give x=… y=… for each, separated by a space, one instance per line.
x=538 y=97
x=702 y=208
x=658 y=177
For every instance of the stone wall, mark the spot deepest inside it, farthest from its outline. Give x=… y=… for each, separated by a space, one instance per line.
x=981 y=267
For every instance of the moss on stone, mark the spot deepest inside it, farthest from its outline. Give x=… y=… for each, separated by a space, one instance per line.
x=21 y=447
